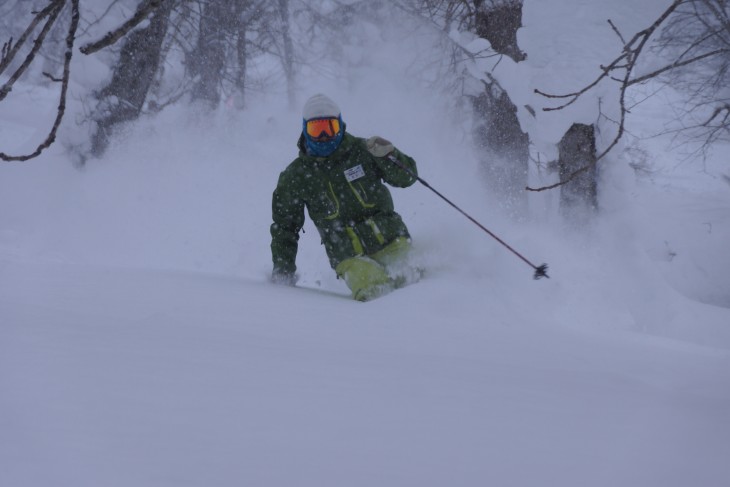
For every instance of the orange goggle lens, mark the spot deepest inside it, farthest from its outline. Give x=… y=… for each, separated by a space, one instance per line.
x=323 y=128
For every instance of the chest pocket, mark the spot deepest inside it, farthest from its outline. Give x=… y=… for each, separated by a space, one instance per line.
x=360 y=194
x=334 y=202
x=355 y=176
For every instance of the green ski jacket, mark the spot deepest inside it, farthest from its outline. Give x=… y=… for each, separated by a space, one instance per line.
x=346 y=199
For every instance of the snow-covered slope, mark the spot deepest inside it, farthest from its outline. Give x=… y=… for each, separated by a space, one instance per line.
x=135 y=377
x=141 y=343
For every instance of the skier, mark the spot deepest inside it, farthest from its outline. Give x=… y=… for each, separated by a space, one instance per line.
x=339 y=179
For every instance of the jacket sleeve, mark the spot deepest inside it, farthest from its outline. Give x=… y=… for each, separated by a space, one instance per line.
x=288 y=215
x=392 y=170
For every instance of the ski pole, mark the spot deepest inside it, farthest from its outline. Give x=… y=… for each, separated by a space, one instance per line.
x=540 y=271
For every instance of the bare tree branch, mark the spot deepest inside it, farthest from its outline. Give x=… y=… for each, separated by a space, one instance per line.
x=70 y=38
x=631 y=53
x=677 y=64
x=10 y=50
x=618 y=33
x=57 y=6
x=5 y=52
x=111 y=37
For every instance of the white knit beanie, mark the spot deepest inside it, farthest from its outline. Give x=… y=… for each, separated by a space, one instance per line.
x=320 y=106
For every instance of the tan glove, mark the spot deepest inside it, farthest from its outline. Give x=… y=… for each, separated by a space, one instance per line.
x=379 y=147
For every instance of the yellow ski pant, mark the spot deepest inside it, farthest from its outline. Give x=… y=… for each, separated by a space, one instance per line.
x=367 y=276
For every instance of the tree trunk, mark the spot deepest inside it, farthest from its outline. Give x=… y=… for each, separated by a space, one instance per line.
x=577 y=149
x=207 y=62
x=239 y=96
x=288 y=60
x=504 y=147
x=123 y=99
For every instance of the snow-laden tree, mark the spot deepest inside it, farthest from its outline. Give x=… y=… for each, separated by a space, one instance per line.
x=123 y=98
x=479 y=29
x=213 y=40
x=158 y=52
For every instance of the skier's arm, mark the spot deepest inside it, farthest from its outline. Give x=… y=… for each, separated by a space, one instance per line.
x=288 y=216
x=396 y=168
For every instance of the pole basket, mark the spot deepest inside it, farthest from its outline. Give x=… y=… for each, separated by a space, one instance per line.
x=540 y=272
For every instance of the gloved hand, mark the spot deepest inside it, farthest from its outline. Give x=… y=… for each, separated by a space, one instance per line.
x=284 y=278
x=379 y=147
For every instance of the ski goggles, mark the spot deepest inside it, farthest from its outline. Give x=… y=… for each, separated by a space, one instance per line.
x=322 y=128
